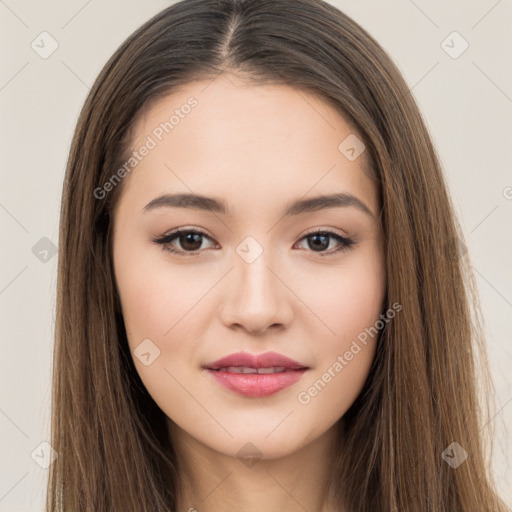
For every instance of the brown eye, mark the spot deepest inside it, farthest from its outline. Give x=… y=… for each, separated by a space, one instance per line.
x=189 y=241
x=320 y=241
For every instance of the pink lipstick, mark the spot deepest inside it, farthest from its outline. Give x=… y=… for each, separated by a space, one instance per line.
x=256 y=375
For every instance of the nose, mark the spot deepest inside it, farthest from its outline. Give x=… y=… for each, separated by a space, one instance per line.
x=256 y=298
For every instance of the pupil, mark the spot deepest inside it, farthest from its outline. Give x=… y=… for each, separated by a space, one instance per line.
x=323 y=245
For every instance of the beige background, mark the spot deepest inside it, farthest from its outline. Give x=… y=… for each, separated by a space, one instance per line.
x=467 y=103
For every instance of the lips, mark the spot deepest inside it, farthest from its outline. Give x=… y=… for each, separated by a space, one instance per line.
x=256 y=375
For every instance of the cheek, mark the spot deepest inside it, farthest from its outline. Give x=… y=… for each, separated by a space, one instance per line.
x=333 y=388
x=156 y=299
x=345 y=301
x=164 y=306
x=349 y=303
x=343 y=360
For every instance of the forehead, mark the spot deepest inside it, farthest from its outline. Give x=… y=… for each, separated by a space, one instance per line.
x=229 y=138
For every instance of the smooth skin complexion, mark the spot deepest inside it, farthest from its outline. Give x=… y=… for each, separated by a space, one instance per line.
x=257 y=149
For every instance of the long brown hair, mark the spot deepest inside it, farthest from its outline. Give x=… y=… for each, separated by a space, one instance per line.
x=422 y=391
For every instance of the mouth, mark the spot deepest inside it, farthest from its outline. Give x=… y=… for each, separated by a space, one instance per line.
x=248 y=370
x=256 y=376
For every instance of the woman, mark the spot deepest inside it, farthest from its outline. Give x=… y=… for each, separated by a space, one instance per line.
x=261 y=302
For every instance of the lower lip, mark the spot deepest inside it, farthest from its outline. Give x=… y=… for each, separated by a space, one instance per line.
x=257 y=384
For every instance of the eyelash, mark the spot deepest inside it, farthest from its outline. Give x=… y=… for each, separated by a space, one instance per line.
x=164 y=241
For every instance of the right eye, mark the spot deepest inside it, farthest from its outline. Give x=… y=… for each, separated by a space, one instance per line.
x=189 y=239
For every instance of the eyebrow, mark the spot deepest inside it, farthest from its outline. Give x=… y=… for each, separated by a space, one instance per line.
x=199 y=202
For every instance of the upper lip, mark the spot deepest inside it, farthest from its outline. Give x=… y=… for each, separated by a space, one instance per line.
x=266 y=360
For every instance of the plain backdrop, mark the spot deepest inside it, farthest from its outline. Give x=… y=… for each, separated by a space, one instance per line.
x=466 y=100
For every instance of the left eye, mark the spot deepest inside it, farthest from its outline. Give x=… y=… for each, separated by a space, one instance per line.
x=321 y=240
x=191 y=241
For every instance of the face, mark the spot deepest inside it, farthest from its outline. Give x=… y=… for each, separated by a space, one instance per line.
x=258 y=267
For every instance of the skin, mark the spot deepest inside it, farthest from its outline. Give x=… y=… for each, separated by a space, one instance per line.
x=258 y=148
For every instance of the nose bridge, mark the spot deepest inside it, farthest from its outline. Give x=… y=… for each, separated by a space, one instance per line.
x=255 y=299
x=255 y=285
